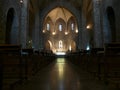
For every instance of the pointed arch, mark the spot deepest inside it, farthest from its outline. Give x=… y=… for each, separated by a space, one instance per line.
x=60 y=25
x=48 y=24
x=72 y=24
x=72 y=46
x=9 y=23
x=48 y=45
x=109 y=30
x=111 y=22
x=12 y=30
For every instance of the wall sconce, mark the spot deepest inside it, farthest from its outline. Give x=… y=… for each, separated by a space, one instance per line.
x=66 y=33
x=43 y=31
x=88 y=26
x=76 y=30
x=53 y=33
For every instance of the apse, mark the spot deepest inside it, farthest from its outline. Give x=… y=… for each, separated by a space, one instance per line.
x=60 y=31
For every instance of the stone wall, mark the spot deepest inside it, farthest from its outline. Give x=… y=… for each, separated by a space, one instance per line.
x=2 y=21
x=5 y=5
x=116 y=6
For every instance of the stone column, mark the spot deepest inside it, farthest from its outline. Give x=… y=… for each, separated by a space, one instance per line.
x=98 y=40
x=41 y=37
x=36 y=32
x=79 y=23
x=2 y=24
x=85 y=34
x=24 y=23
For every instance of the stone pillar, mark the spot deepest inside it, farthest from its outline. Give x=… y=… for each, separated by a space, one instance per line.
x=79 y=41
x=36 y=32
x=2 y=24
x=41 y=37
x=85 y=35
x=24 y=23
x=98 y=40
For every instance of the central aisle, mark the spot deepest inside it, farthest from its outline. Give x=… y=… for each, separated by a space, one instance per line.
x=62 y=75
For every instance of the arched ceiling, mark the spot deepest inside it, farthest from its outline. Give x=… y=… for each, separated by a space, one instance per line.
x=41 y=4
x=59 y=13
x=86 y=6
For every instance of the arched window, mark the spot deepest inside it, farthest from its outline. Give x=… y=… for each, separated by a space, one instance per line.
x=60 y=27
x=60 y=44
x=72 y=26
x=48 y=26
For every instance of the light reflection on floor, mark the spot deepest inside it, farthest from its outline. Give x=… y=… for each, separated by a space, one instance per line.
x=67 y=79
x=61 y=75
x=61 y=65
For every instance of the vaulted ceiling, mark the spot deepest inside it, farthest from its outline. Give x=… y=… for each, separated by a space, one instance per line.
x=40 y=4
x=84 y=5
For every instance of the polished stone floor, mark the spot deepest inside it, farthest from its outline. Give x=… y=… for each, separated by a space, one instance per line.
x=62 y=75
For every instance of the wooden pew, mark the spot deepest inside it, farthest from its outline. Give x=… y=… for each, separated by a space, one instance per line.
x=112 y=48
x=10 y=56
x=27 y=51
x=112 y=69
x=95 y=51
x=10 y=49
x=1 y=72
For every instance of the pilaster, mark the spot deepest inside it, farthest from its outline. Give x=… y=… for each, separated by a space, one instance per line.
x=98 y=40
x=24 y=23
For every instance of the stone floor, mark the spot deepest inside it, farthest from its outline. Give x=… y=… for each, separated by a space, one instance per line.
x=62 y=75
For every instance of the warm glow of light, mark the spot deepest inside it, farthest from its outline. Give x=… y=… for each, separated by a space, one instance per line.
x=76 y=31
x=60 y=60
x=61 y=64
x=70 y=48
x=53 y=33
x=60 y=44
x=66 y=33
x=60 y=53
x=50 y=43
x=88 y=27
x=43 y=31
